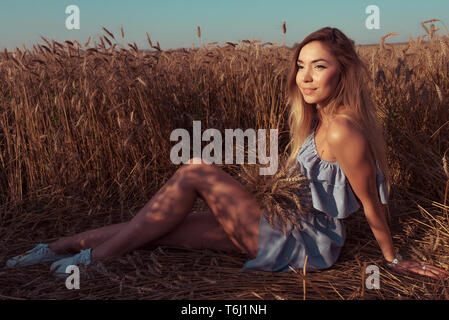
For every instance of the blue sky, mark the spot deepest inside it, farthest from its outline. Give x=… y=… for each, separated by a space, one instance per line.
x=174 y=22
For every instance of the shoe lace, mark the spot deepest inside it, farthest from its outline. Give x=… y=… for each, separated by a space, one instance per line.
x=84 y=257
x=40 y=250
x=34 y=251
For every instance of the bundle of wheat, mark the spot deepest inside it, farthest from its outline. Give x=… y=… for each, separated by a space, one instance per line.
x=285 y=195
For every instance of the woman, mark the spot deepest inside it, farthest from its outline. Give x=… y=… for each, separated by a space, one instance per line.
x=339 y=147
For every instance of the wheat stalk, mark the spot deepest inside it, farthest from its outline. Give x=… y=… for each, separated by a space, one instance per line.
x=445 y=166
x=199 y=34
x=284 y=30
x=382 y=42
x=87 y=42
x=109 y=33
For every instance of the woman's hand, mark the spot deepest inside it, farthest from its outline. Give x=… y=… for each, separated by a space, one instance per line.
x=411 y=267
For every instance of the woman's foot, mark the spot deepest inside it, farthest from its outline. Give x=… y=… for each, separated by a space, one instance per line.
x=39 y=254
x=59 y=267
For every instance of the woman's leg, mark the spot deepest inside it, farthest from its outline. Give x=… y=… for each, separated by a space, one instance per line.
x=235 y=209
x=232 y=224
x=88 y=239
x=196 y=231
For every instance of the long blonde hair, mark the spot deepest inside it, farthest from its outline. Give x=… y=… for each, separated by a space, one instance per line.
x=351 y=92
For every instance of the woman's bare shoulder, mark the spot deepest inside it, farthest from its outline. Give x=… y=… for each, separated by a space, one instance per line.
x=343 y=126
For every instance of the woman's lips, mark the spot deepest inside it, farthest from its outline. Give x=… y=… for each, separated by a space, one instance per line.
x=308 y=91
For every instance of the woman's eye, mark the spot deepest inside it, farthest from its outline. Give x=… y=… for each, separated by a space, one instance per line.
x=318 y=66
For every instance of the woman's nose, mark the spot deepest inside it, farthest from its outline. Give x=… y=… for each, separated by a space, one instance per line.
x=306 y=75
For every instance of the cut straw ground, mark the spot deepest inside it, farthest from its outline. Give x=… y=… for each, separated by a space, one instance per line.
x=171 y=273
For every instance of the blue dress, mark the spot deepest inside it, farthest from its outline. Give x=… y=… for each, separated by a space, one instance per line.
x=322 y=232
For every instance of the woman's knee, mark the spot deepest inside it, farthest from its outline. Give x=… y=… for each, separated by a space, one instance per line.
x=196 y=163
x=197 y=160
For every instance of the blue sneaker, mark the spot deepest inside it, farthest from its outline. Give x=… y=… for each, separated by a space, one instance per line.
x=59 y=267
x=39 y=254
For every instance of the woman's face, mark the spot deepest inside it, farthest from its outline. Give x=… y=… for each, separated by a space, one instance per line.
x=317 y=70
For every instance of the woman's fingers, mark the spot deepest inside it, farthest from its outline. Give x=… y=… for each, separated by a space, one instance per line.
x=428 y=270
x=425 y=272
x=432 y=271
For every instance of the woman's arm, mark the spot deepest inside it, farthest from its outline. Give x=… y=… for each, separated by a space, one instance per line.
x=375 y=215
x=350 y=148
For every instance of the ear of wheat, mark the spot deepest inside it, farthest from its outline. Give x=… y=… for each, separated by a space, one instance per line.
x=149 y=40
x=87 y=42
x=109 y=33
x=199 y=34
x=285 y=195
x=284 y=30
x=383 y=46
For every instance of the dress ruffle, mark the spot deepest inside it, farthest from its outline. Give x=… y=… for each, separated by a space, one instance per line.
x=330 y=190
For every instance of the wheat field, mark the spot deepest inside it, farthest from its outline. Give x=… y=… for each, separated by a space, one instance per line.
x=84 y=142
